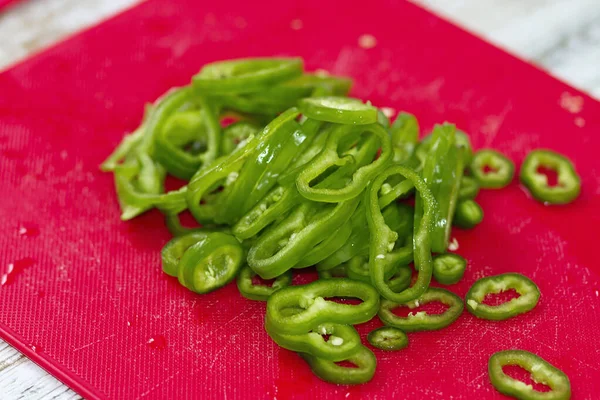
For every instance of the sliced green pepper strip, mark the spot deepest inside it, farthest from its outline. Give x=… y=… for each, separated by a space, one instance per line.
x=329 y=371
x=442 y=171
x=211 y=263
x=235 y=133
x=139 y=186
x=340 y=110
x=401 y=279
x=422 y=321
x=358 y=269
x=316 y=310
x=568 y=186
x=260 y=292
x=326 y=247
x=398 y=217
x=173 y=251
x=275 y=204
x=283 y=245
x=336 y=272
x=344 y=136
x=383 y=239
x=500 y=173
x=468 y=214
x=388 y=338
x=225 y=171
x=172 y=130
x=448 y=268
x=261 y=168
x=529 y=295
x=245 y=75
x=124 y=149
x=405 y=136
x=343 y=341
x=469 y=188
x=541 y=372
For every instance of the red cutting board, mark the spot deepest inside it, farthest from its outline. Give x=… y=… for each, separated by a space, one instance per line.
x=85 y=296
x=6 y=3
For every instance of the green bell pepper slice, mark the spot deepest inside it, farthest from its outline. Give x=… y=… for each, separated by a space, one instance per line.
x=260 y=292
x=315 y=309
x=344 y=138
x=568 y=186
x=388 y=338
x=329 y=371
x=342 y=343
x=384 y=239
x=448 y=268
x=211 y=263
x=245 y=75
x=529 y=295
x=339 y=110
x=422 y=321
x=500 y=173
x=541 y=371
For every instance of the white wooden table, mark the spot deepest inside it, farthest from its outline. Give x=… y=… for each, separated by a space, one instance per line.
x=563 y=36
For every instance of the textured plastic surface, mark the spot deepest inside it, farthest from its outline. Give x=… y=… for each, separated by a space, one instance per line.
x=85 y=296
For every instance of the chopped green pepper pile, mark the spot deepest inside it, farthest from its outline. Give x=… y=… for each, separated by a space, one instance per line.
x=285 y=172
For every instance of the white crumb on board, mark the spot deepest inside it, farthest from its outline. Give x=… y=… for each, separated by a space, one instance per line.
x=367 y=41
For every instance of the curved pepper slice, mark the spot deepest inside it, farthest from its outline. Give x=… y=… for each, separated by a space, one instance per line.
x=529 y=295
x=541 y=371
x=283 y=245
x=469 y=188
x=468 y=214
x=264 y=166
x=388 y=338
x=235 y=133
x=568 y=185
x=260 y=292
x=245 y=75
x=383 y=239
x=315 y=309
x=448 y=268
x=139 y=186
x=171 y=130
x=422 y=321
x=275 y=204
x=329 y=371
x=491 y=169
x=340 y=110
x=326 y=247
x=336 y=272
x=442 y=171
x=405 y=136
x=210 y=263
x=342 y=343
x=343 y=140
x=225 y=171
x=173 y=251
